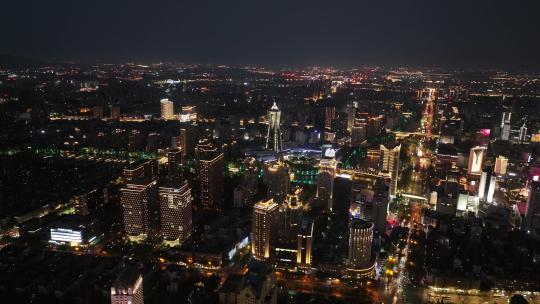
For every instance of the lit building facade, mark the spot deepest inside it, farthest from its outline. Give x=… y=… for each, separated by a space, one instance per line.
x=273 y=136
x=325 y=178
x=264 y=220
x=476 y=160
x=175 y=210
x=360 y=264
x=389 y=164
x=136 y=197
x=128 y=288
x=501 y=165
x=211 y=163
x=167 y=109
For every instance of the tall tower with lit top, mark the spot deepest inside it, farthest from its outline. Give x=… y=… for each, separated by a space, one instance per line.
x=273 y=137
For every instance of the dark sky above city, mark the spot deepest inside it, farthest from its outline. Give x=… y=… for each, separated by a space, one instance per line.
x=460 y=33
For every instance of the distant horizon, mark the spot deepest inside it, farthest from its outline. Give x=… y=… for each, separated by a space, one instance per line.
x=41 y=61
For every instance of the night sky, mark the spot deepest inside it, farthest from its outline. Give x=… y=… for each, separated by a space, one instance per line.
x=472 y=33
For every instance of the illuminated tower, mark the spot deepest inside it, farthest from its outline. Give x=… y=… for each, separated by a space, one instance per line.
x=476 y=160
x=506 y=125
x=273 y=137
x=325 y=178
x=522 y=134
x=167 y=109
x=389 y=164
x=211 y=164
x=304 y=244
x=175 y=210
x=276 y=178
x=128 y=287
x=136 y=197
x=360 y=265
x=263 y=230
x=501 y=165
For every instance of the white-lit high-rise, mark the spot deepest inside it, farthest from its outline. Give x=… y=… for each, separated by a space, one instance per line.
x=175 y=211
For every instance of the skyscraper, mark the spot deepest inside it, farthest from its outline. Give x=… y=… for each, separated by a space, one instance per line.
x=276 y=178
x=273 y=137
x=175 y=159
x=304 y=244
x=211 y=164
x=389 y=164
x=482 y=186
x=532 y=212
x=263 y=229
x=501 y=165
x=476 y=160
x=505 y=125
x=522 y=134
x=136 y=198
x=128 y=287
x=360 y=265
x=359 y=129
x=325 y=178
x=167 y=109
x=175 y=210
x=491 y=189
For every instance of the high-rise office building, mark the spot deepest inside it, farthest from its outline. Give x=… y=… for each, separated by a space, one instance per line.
x=211 y=163
x=128 y=287
x=276 y=178
x=532 y=212
x=501 y=165
x=359 y=129
x=476 y=160
x=167 y=109
x=263 y=230
x=506 y=125
x=389 y=164
x=175 y=210
x=491 y=189
x=304 y=244
x=482 y=186
x=360 y=265
x=136 y=198
x=522 y=134
x=325 y=178
x=175 y=160
x=273 y=136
